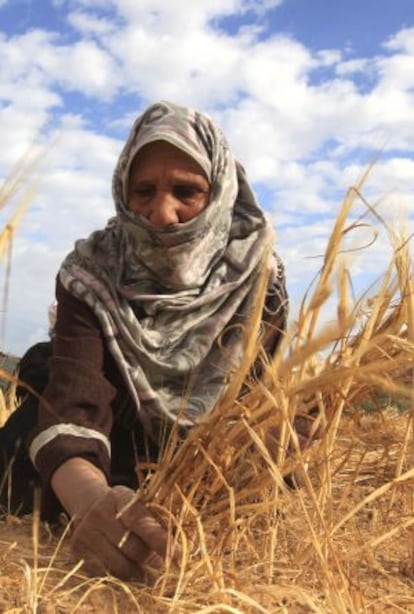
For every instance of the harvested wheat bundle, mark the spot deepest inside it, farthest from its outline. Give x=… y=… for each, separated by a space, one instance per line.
x=223 y=490
x=370 y=346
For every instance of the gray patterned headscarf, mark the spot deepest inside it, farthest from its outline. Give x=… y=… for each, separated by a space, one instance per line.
x=165 y=295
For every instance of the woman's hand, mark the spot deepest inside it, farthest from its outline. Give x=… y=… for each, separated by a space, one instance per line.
x=114 y=532
x=122 y=543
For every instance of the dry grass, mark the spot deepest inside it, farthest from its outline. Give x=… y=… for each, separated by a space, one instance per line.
x=342 y=542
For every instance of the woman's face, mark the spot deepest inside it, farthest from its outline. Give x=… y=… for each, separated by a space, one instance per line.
x=166 y=186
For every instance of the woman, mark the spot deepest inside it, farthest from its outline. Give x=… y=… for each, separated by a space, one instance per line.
x=142 y=308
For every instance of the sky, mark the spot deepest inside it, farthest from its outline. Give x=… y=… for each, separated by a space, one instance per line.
x=308 y=93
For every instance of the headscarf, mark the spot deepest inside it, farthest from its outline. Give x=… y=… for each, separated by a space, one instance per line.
x=165 y=296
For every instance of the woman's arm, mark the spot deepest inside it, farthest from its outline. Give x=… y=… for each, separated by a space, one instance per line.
x=75 y=414
x=71 y=449
x=77 y=484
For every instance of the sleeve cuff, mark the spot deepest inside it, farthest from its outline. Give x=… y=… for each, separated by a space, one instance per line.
x=58 y=443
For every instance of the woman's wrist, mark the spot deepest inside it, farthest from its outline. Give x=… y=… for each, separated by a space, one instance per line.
x=77 y=484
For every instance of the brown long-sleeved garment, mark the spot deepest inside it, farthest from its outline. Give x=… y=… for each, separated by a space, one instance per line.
x=85 y=389
x=87 y=395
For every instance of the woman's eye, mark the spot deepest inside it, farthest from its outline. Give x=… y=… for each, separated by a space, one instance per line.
x=145 y=192
x=188 y=193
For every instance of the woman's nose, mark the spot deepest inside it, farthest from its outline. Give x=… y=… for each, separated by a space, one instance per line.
x=163 y=211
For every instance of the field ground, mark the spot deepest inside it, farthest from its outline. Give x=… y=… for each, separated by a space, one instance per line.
x=354 y=554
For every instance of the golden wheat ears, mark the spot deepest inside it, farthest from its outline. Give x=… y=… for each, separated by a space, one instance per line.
x=223 y=477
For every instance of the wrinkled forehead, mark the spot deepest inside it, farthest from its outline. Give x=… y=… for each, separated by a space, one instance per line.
x=164 y=154
x=181 y=127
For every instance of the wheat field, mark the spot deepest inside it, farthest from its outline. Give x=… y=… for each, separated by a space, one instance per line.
x=341 y=540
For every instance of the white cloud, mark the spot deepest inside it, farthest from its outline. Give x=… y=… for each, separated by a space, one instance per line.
x=88 y=23
x=38 y=59
x=156 y=12
x=401 y=41
x=303 y=139
x=85 y=67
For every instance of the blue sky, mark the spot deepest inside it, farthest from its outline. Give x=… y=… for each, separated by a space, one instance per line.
x=308 y=93
x=355 y=25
